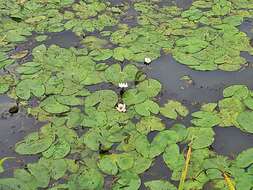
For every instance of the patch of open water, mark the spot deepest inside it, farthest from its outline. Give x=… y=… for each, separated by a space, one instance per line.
x=14 y=127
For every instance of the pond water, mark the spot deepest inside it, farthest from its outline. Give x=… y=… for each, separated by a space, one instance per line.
x=198 y=88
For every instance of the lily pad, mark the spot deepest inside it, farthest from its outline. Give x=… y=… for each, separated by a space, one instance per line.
x=159 y=184
x=245 y=119
x=51 y=105
x=27 y=87
x=146 y=108
x=104 y=99
x=116 y=75
x=35 y=143
x=173 y=109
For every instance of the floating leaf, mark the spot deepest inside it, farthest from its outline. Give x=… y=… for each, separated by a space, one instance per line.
x=4 y=88
x=201 y=137
x=172 y=109
x=132 y=97
x=41 y=38
x=36 y=142
x=68 y=100
x=127 y=180
x=57 y=150
x=238 y=91
x=159 y=184
x=28 y=86
x=244 y=159
x=51 y=105
x=41 y=174
x=105 y=99
x=101 y=54
x=12 y=184
x=249 y=102
x=148 y=124
x=108 y=165
x=161 y=141
x=205 y=119
x=150 y=87
x=89 y=179
x=245 y=120
x=146 y=108
x=19 y=55
x=116 y=75
x=121 y=53
x=173 y=158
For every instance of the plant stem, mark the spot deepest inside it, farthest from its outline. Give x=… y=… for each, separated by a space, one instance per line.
x=184 y=172
x=228 y=181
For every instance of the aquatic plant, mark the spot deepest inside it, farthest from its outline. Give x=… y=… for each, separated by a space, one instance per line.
x=93 y=133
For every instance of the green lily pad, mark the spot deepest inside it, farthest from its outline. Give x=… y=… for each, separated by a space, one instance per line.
x=249 y=102
x=105 y=99
x=148 y=124
x=108 y=165
x=58 y=150
x=12 y=184
x=51 y=105
x=205 y=119
x=4 y=88
x=238 y=91
x=116 y=75
x=173 y=109
x=89 y=179
x=173 y=158
x=27 y=87
x=244 y=159
x=121 y=53
x=35 y=143
x=200 y=137
x=127 y=180
x=101 y=54
x=159 y=184
x=150 y=87
x=132 y=97
x=41 y=174
x=146 y=108
x=245 y=119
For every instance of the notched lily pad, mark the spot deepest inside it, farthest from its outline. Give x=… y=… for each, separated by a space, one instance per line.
x=173 y=109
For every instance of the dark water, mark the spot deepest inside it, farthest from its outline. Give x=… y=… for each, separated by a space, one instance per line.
x=63 y=39
x=14 y=127
x=158 y=171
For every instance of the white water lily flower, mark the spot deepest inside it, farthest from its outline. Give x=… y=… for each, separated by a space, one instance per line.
x=123 y=85
x=147 y=60
x=121 y=107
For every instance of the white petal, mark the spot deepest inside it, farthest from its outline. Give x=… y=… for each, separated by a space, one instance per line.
x=147 y=60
